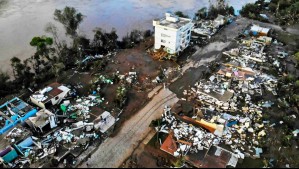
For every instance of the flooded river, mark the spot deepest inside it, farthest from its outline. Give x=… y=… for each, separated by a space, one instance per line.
x=20 y=20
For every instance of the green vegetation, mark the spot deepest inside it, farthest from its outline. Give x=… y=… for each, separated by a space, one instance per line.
x=225 y=10
x=285 y=11
x=5 y=86
x=202 y=13
x=70 y=19
x=179 y=162
x=220 y=8
x=53 y=55
x=297 y=57
x=181 y=14
x=252 y=10
x=121 y=94
x=104 y=42
x=131 y=39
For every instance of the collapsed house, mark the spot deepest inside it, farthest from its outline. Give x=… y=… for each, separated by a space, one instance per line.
x=194 y=139
x=209 y=28
x=43 y=121
x=259 y=31
x=14 y=112
x=49 y=96
x=228 y=111
x=104 y=122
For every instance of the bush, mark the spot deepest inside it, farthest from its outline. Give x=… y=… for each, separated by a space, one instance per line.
x=250 y=10
x=181 y=14
x=297 y=56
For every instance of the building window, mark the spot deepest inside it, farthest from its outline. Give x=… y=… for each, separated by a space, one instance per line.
x=56 y=98
x=188 y=32
x=164 y=35
x=163 y=41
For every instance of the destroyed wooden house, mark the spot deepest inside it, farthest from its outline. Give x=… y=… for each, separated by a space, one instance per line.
x=104 y=123
x=188 y=138
x=43 y=121
x=235 y=72
x=49 y=96
x=257 y=30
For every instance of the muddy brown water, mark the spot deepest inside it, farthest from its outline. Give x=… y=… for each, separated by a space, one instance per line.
x=20 y=20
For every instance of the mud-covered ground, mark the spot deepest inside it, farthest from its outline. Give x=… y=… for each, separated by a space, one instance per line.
x=196 y=65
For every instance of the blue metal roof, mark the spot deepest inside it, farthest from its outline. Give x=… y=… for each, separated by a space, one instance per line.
x=18 y=111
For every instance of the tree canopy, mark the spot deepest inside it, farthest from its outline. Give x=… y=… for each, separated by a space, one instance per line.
x=41 y=42
x=181 y=14
x=70 y=19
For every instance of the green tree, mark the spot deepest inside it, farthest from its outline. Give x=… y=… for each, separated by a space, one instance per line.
x=42 y=54
x=179 y=163
x=4 y=84
x=82 y=44
x=17 y=67
x=202 y=13
x=42 y=45
x=52 y=29
x=70 y=19
x=132 y=38
x=104 y=42
x=121 y=93
x=181 y=14
x=250 y=10
x=147 y=34
x=41 y=42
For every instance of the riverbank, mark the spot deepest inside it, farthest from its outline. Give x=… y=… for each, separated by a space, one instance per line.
x=19 y=21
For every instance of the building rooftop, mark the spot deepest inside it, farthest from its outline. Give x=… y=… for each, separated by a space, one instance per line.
x=14 y=112
x=17 y=106
x=104 y=122
x=216 y=157
x=172 y=21
x=49 y=92
x=257 y=28
x=41 y=118
x=169 y=145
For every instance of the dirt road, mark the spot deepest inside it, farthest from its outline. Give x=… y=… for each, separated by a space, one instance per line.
x=114 y=151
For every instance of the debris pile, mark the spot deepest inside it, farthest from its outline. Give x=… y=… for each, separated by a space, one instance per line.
x=231 y=101
x=64 y=130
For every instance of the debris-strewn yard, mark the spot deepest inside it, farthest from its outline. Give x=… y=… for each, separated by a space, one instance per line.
x=240 y=113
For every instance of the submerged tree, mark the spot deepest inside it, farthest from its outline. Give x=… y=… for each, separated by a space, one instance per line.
x=70 y=19
x=104 y=42
x=181 y=14
x=17 y=67
x=52 y=29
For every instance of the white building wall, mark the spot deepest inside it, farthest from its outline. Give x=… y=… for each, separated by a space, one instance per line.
x=166 y=37
x=171 y=38
x=57 y=99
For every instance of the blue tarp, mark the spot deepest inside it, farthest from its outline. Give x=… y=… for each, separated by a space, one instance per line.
x=231 y=123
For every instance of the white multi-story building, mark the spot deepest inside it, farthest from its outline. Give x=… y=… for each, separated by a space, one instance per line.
x=172 y=33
